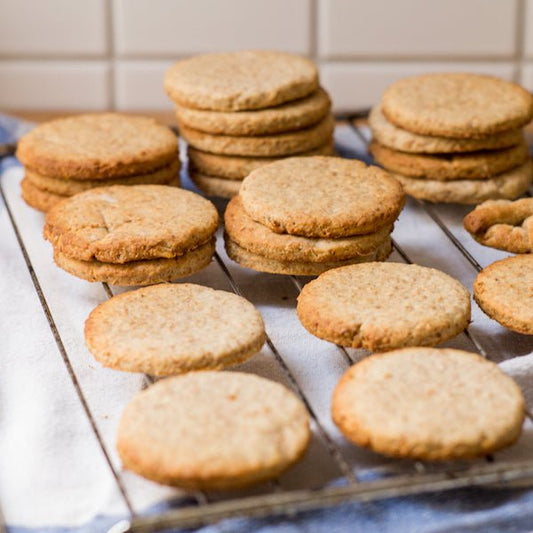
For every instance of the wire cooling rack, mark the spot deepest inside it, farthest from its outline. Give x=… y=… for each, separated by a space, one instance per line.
x=426 y=234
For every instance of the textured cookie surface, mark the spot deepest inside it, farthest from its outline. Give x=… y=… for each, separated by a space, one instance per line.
x=478 y=165
x=97 y=146
x=286 y=117
x=37 y=198
x=382 y=306
x=250 y=79
x=508 y=185
x=264 y=145
x=173 y=328
x=215 y=185
x=387 y=134
x=119 y=223
x=429 y=404
x=322 y=197
x=457 y=105
x=146 y=272
x=503 y=224
x=213 y=430
x=258 y=239
x=504 y=290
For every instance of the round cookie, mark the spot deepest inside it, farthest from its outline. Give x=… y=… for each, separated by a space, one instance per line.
x=387 y=134
x=479 y=165
x=503 y=224
x=321 y=196
x=146 y=272
x=121 y=223
x=173 y=328
x=382 y=306
x=292 y=116
x=271 y=265
x=236 y=167
x=504 y=291
x=68 y=187
x=260 y=240
x=215 y=186
x=457 y=105
x=37 y=198
x=428 y=404
x=281 y=144
x=213 y=431
x=235 y=81
x=508 y=185
x=97 y=146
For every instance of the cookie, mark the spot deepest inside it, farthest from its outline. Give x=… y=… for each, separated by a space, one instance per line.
x=383 y=306
x=504 y=291
x=119 y=224
x=291 y=116
x=173 y=328
x=508 y=185
x=477 y=165
x=37 y=198
x=260 y=240
x=97 y=146
x=262 y=263
x=214 y=185
x=322 y=196
x=281 y=144
x=68 y=187
x=145 y=272
x=237 y=81
x=238 y=167
x=503 y=224
x=213 y=431
x=457 y=105
x=387 y=134
x=428 y=404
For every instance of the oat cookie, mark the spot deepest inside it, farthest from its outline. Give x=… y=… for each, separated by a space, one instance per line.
x=37 y=198
x=428 y=404
x=504 y=290
x=457 y=105
x=322 y=196
x=264 y=145
x=286 y=117
x=387 y=134
x=478 y=165
x=382 y=306
x=235 y=81
x=173 y=328
x=503 y=224
x=119 y=224
x=97 y=146
x=213 y=430
x=214 y=185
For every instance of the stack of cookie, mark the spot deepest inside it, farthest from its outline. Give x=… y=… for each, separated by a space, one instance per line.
x=305 y=215
x=454 y=137
x=241 y=110
x=71 y=155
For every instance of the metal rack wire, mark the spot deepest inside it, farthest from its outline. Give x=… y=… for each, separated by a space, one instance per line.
x=415 y=479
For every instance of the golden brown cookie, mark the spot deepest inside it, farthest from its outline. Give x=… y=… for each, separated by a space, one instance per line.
x=214 y=185
x=504 y=290
x=319 y=196
x=213 y=430
x=387 y=134
x=428 y=404
x=262 y=263
x=508 y=185
x=382 y=306
x=173 y=328
x=281 y=144
x=120 y=223
x=478 y=165
x=457 y=105
x=235 y=81
x=97 y=146
x=144 y=272
x=37 y=198
x=503 y=224
x=291 y=116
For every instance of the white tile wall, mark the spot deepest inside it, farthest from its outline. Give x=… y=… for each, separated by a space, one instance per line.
x=95 y=54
